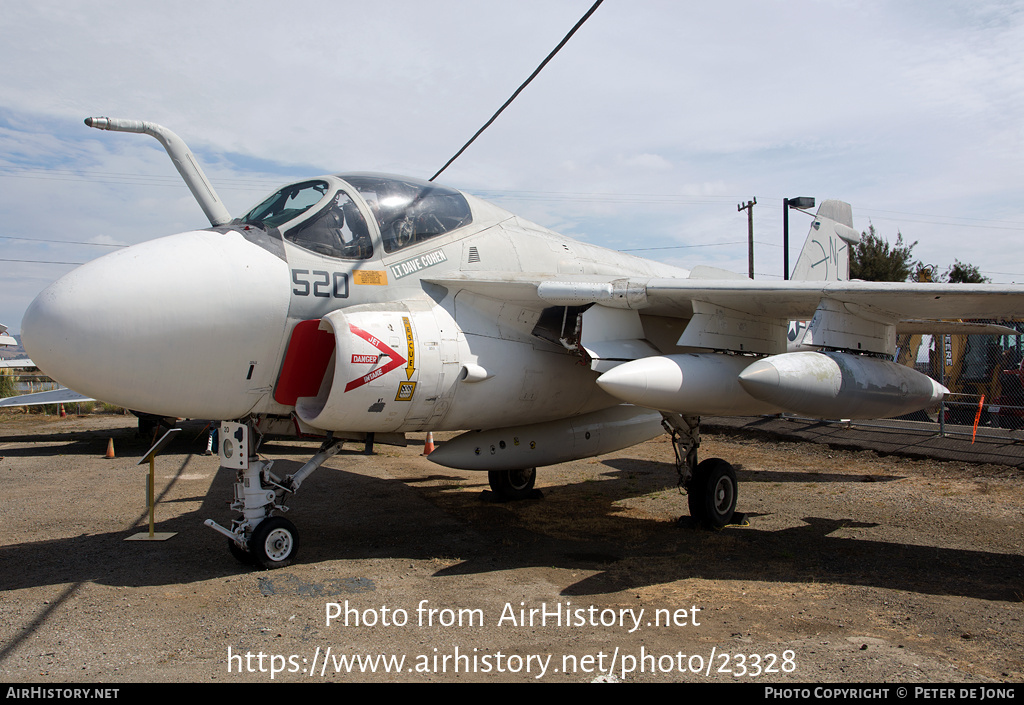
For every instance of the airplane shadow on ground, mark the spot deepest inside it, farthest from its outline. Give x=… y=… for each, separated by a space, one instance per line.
x=345 y=515
x=127 y=442
x=630 y=553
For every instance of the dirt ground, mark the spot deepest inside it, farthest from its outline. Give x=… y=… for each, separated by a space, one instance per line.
x=854 y=568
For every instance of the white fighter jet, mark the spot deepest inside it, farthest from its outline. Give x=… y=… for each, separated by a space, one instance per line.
x=366 y=306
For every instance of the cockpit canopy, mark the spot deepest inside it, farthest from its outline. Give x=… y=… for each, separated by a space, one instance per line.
x=327 y=215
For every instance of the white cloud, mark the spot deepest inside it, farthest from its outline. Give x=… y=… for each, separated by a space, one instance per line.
x=913 y=108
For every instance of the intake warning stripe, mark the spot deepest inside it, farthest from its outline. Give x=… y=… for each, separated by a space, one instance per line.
x=411 y=367
x=396 y=360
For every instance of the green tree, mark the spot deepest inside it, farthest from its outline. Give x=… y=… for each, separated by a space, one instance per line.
x=963 y=273
x=873 y=260
x=958 y=273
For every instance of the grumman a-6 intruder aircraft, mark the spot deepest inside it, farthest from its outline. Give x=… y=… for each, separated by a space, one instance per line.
x=359 y=304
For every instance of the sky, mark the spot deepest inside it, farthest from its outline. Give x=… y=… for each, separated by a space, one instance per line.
x=643 y=134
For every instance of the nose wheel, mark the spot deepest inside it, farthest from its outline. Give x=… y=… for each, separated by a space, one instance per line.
x=241 y=555
x=274 y=543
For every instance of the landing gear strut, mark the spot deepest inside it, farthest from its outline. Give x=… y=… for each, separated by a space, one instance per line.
x=710 y=486
x=258 y=536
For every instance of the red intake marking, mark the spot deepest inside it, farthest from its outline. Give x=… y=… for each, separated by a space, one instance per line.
x=396 y=360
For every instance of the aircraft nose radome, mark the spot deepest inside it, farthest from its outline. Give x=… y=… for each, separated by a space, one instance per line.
x=170 y=326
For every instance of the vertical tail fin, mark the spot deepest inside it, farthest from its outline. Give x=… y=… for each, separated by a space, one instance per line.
x=826 y=252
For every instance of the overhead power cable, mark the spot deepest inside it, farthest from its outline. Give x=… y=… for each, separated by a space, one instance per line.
x=520 y=89
x=59 y=242
x=703 y=244
x=37 y=261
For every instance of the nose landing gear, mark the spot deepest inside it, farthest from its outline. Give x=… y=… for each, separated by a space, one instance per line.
x=259 y=537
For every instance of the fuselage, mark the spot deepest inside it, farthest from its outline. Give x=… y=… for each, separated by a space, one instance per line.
x=202 y=324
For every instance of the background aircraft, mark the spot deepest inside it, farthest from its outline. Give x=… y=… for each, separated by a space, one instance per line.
x=363 y=305
x=52 y=396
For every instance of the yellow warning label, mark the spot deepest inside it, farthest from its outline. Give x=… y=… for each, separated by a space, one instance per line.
x=370 y=277
x=410 y=366
x=405 y=391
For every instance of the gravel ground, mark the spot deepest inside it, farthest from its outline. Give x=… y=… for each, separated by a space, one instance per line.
x=854 y=568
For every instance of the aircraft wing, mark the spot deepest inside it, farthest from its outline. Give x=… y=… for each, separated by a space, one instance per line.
x=791 y=300
x=931 y=327
x=16 y=364
x=794 y=300
x=746 y=315
x=63 y=395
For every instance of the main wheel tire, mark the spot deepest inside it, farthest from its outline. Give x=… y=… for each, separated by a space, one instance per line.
x=512 y=484
x=274 y=543
x=712 y=493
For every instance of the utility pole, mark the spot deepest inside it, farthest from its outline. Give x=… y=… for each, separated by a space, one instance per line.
x=749 y=208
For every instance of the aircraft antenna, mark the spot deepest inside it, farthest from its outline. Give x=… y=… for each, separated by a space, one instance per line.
x=520 y=89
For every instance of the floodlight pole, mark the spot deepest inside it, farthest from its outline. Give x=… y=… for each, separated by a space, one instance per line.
x=801 y=202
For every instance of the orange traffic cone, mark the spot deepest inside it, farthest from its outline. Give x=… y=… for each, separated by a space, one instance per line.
x=110 y=448
x=428 y=445
x=63 y=414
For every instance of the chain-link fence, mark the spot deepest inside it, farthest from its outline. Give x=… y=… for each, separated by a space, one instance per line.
x=984 y=376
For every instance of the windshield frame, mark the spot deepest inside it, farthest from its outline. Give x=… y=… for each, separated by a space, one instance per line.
x=282 y=217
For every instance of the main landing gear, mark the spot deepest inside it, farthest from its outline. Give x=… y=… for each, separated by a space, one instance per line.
x=711 y=486
x=258 y=536
x=512 y=484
